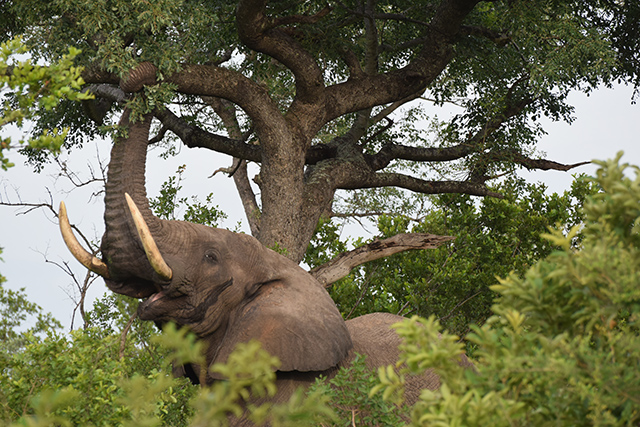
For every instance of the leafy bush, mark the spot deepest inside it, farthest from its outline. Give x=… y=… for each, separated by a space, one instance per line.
x=15 y=309
x=80 y=379
x=563 y=345
x=93 y=385
x=349 y=394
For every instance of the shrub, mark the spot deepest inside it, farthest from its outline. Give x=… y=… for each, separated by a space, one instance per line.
x=562 y=347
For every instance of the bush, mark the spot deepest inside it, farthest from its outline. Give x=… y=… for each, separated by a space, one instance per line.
x=562 y=347
x=349 y=397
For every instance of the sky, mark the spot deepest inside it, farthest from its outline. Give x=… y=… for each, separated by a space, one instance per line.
x=606 y=122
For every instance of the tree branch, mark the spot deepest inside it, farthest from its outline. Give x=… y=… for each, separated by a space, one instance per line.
x=123 y=334
x=529 y=163
x=107 y=91
x=227 y=112
x=473 y=144
x=544 y=164
x=201 y=80
x=261 y=34
x=436 y=53
x=390 y=179
x=342 y=265
x=193 y=136
x=500 y=39
x=302 y=19
x=391 y=152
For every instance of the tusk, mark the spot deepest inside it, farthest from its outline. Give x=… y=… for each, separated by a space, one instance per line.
x=87 y=259
x=150 y=247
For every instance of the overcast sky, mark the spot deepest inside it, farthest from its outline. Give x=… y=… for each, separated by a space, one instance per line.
x=606 y=122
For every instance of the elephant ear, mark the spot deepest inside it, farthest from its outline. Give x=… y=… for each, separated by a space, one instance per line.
x=295 y=319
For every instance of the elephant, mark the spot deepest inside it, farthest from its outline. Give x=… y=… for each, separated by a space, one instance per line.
x=225 y=287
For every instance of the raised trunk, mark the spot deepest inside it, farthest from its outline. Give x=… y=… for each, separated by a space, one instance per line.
x=121 y=247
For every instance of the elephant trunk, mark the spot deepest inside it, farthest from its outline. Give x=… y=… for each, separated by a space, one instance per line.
x=121 y=247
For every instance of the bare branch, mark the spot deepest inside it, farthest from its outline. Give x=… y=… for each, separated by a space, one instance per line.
x=29 y=207
x=342 y=265
x=354 y=215
x=76 y=181
x=238 y=170
x=82 y=287
x=382 y=179
x=544 y=164
x=513 y=156
x=125 y=331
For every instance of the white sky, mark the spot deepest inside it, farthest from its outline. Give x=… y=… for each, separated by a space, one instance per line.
x=606 y=122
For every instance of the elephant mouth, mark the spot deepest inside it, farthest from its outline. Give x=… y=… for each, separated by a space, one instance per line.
x=160 y=305
x=134 y=289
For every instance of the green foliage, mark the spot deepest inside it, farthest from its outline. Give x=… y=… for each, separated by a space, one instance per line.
x=88 y=366
x=28 y=88
x=562 y=346
x=15 y=310
x=325 y=244
x=493 y=238
x=168 y=203
x=349 y=393
x=526 y=50
x=82 y=380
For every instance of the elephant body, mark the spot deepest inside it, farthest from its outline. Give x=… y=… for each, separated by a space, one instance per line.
x=373 y=337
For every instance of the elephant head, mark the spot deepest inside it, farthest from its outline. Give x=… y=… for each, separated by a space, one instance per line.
x=225 y=287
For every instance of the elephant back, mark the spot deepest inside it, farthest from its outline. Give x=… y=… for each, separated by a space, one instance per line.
x=373 y=337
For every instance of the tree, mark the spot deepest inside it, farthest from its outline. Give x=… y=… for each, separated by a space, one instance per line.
x=561 y=348
x=327 y=97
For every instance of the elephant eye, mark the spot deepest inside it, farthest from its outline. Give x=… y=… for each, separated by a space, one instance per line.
x=210 y=256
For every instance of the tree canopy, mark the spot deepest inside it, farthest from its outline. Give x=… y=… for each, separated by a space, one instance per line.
x=332 y=96
x=28 y=87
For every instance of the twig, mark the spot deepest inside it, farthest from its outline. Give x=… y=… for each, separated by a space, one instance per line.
x=364 y=290
x=125 y=331
x=459 y=305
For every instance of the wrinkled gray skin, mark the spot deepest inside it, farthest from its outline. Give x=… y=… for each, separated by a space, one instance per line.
x=228 y=288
